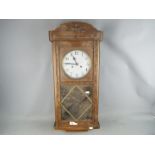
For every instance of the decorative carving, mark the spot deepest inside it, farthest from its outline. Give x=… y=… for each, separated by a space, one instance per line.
x=75 y=31
x=76 y=27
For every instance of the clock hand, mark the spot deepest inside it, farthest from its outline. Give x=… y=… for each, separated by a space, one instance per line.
x=74 y=59
x=68 y=63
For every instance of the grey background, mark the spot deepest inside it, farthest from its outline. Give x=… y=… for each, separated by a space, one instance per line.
x=127 y=78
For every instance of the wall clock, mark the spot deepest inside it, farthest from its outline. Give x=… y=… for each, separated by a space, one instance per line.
x=75 y=52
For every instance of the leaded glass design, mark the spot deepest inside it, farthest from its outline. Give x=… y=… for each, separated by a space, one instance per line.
x=76 y=102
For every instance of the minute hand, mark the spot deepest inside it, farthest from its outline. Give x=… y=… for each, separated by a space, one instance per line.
x=68 y=63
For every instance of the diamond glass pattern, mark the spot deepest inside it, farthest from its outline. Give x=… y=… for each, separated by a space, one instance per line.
x=76 y=102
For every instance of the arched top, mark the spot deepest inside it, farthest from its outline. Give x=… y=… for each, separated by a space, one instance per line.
x=76 y=27
x=75 y=31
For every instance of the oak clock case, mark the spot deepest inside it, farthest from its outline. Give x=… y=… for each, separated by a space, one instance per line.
x=75 y=53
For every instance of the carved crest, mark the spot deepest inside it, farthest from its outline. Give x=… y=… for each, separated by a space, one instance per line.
x=76 y=27
x=75 y=30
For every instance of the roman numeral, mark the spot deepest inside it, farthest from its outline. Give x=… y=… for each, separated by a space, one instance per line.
x=76 y=52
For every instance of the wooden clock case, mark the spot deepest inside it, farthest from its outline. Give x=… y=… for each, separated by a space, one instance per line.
x=67 y=37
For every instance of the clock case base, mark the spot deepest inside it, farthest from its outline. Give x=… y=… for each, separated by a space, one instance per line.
x=78 y=128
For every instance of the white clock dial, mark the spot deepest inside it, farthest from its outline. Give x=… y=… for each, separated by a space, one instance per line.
x=76 y=64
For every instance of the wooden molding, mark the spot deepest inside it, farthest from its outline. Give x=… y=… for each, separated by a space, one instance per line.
x=75 y=31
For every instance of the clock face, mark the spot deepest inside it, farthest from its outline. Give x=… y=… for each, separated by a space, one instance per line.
x=76 y=64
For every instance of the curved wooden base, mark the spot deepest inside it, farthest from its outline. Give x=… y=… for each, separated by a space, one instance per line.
x=78 y=128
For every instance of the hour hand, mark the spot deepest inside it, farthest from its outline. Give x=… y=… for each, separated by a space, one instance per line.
x=69 y=63
x=74 y=59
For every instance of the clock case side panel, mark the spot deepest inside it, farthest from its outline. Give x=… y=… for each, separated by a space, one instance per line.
x=55 y=56
x=96 y=79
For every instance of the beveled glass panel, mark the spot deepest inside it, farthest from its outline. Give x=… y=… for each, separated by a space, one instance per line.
x=76 y=102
